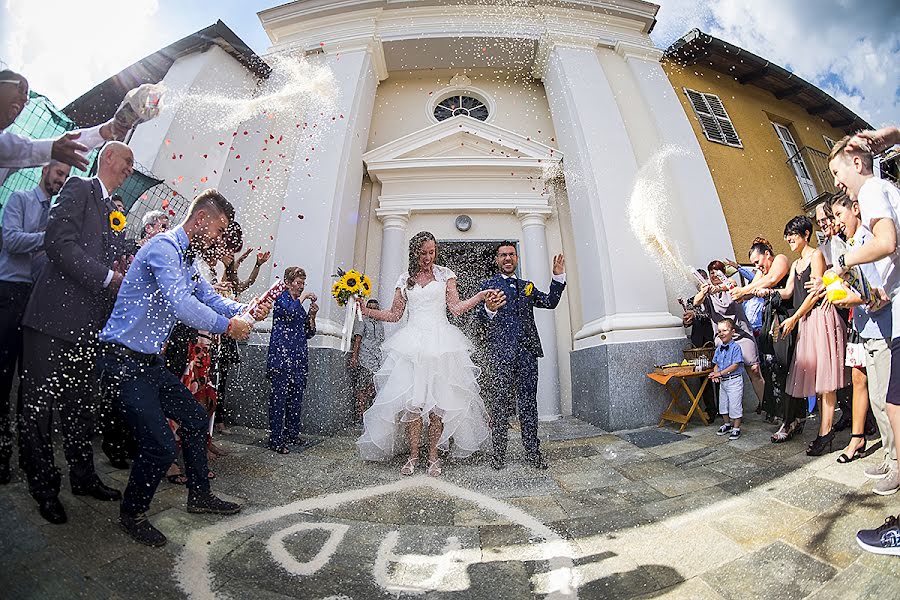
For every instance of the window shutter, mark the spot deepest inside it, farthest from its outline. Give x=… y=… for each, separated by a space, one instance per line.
x=714 y=120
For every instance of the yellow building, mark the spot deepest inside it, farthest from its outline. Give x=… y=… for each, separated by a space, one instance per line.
x=765 y=134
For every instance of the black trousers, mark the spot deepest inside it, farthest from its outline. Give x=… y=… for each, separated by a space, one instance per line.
x=60 y=372
x=13 y=299
x=514 y=384
x=149 y=394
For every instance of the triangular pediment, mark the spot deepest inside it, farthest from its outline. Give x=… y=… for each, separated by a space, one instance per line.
x=461 y=137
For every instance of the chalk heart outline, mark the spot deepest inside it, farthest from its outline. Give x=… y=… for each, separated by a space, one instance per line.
x=192 y=569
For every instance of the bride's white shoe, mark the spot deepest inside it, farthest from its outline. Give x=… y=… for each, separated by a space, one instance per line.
x=410 y=467
x=434 y=468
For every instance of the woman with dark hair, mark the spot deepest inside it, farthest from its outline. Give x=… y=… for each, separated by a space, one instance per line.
x=427 y=377
x=818 y=363
x=771 y=272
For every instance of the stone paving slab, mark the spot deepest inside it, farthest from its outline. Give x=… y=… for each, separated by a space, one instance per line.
x=697 y=517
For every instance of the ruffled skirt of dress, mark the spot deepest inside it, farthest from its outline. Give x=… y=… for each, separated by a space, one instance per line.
x=818 y=364
x=425 y=371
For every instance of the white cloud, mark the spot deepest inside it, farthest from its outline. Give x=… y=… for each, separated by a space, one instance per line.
x=849 y=49
x=65 y=48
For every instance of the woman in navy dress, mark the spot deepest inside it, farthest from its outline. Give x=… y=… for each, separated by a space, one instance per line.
x=287 y=365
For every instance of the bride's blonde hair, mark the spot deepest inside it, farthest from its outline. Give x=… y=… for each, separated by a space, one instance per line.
x=415 y=245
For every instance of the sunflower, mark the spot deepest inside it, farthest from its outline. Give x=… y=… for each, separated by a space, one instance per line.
x=352 y=280
x=116 y=221
x=366 y=286
x=529 y=289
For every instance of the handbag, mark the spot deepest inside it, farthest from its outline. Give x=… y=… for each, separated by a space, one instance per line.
x=855 y=355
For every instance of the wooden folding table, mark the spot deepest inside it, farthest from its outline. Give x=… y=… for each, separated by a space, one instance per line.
x=681 y=374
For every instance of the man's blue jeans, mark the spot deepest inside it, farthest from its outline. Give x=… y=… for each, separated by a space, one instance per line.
x=148 y=394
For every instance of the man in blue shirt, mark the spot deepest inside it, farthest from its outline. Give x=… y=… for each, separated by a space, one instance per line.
x=24 y=223
x=163 y=286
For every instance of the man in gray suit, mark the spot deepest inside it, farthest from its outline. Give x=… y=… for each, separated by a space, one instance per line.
x=69 y=304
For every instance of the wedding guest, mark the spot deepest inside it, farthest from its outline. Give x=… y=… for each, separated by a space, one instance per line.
x=19 y=152
x=153 y=222
x=232 y=265
x=21 y=256
x=287 y=366
x=729 y=374
x=720 y=305
x=365 y=357
x=163 y=285
x=879 y=202
x=771 y=272
x=818 y=362
x=873 y=327
x=61 y=345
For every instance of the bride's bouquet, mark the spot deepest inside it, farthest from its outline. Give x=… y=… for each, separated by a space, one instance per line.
x=350 y=287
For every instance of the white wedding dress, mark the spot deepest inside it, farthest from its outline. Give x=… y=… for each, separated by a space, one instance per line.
x=426 y=370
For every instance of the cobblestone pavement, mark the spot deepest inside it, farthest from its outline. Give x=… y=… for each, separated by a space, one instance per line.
x=644 y=514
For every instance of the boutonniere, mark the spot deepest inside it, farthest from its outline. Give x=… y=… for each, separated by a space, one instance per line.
x=529 y=289
x=116 y=221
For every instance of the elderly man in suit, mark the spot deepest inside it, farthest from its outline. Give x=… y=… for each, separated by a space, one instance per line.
x=69 y=304
x=513 y=349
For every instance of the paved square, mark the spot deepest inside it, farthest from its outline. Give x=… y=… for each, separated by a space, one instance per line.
x=643 y=515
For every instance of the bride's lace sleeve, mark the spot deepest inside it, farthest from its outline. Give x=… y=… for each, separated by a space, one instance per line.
x=443 y=273
x=401 y=284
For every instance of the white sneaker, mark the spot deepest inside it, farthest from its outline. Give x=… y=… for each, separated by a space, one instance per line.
x=889 y=485
x=879 y=471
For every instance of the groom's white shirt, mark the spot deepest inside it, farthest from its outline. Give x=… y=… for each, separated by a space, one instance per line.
x=561 y=278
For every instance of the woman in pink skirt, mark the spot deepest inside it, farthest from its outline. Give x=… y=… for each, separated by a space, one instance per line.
x=818 y=363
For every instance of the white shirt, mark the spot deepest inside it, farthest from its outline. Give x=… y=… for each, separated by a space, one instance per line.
x=105 y=195
x=878 y=199
x=20 y=152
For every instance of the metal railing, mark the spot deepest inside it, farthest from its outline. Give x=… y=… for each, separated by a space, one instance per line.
x=813 y=163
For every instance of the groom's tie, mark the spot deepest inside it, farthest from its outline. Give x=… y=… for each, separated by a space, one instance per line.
x=511 y=281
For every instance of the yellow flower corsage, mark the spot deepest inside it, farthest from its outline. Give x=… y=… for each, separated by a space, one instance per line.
x=116 y=221
x=529 y=289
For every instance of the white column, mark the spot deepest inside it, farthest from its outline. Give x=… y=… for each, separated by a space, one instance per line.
x=325 y=182
x=394 y=253
x=707 y=232
x=623 y=297
x=536 y=265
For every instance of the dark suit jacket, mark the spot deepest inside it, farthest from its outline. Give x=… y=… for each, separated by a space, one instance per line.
x=513 y=326
x=68 y=300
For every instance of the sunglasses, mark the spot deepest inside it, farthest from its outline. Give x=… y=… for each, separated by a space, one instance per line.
x=21 y=85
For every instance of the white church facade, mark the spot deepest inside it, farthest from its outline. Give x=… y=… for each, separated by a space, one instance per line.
x=525 y=121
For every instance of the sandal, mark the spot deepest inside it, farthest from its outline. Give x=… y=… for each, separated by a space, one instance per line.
x=434 y=468
x=410 y=467
x=858 y=453
x=782 y=435
x=177 y=479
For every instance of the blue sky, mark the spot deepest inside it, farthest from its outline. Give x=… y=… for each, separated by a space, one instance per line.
x=850 y=52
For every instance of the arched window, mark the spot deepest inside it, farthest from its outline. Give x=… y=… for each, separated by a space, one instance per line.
x=461 y=105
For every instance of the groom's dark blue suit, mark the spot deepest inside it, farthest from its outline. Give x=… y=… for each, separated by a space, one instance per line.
x=513 y=349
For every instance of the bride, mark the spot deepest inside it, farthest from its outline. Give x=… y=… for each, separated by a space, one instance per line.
x=427 y=377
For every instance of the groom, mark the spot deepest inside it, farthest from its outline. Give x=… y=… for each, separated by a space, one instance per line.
x=514 y=347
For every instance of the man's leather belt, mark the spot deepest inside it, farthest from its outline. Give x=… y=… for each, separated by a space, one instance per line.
x=138 y=356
